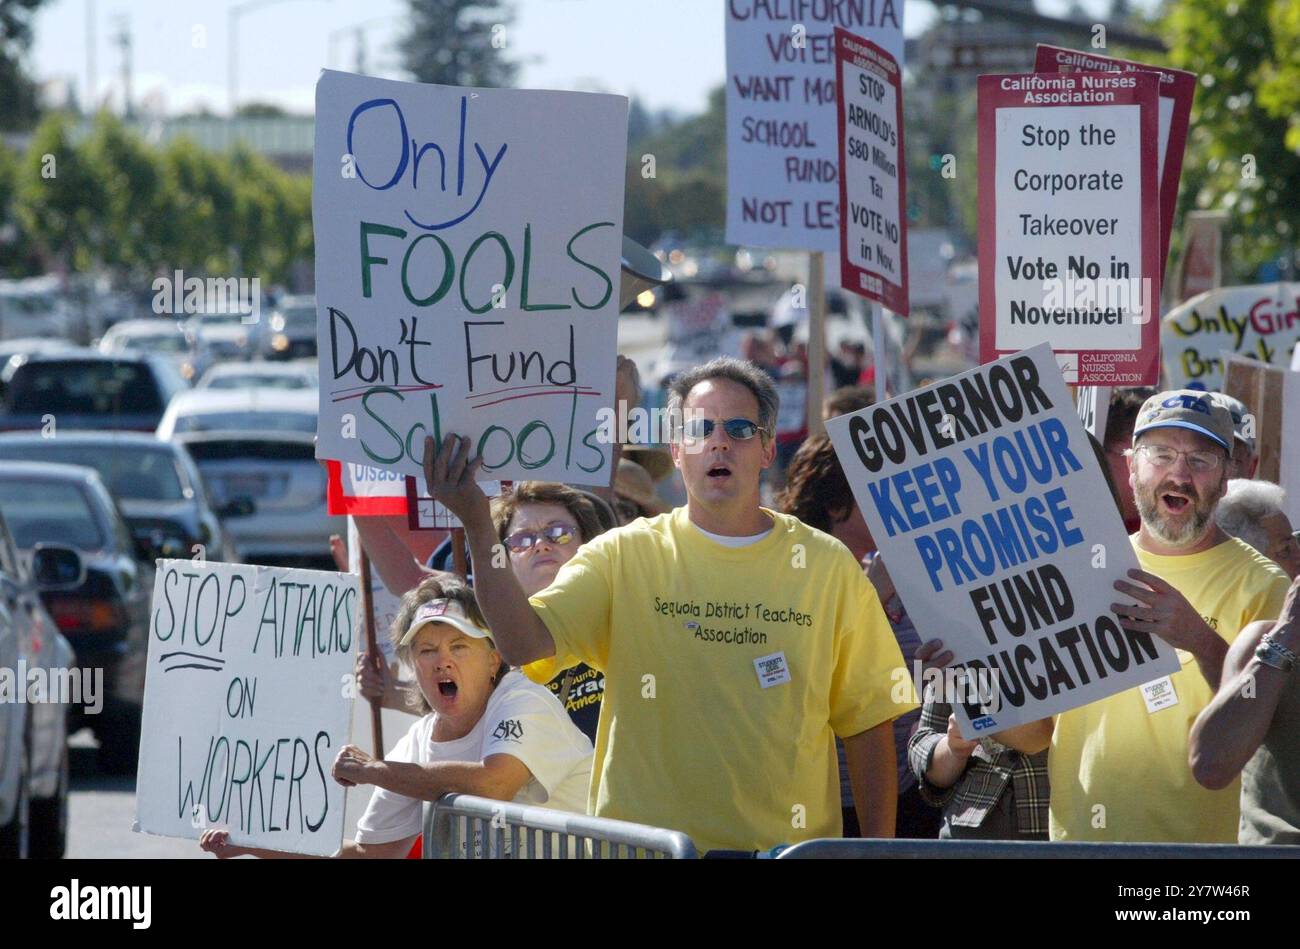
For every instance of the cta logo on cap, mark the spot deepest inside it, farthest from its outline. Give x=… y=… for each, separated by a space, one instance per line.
x=1189 y=409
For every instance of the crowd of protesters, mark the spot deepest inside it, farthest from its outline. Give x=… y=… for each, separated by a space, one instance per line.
x=671 y=639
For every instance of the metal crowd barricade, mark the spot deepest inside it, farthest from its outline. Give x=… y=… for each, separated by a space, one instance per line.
x=461 y=827
x=833 y=849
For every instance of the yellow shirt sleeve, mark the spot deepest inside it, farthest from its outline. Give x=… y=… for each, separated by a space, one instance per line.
x=867 y=657
x=544 y=671
x=576 y=610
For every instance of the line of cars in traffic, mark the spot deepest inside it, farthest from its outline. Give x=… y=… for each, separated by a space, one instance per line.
x=111 y=456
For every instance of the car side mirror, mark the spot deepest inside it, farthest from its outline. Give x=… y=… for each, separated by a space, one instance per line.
x=55 y=567
x=239 y=507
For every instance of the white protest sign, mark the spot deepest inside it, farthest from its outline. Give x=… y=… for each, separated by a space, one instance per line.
x=1259 y=322
x=1093 y=403
x=468 y=247
x=873 y=174
x=247 y=701
x=994 y=519
x=1069 y=210
x=782 y=182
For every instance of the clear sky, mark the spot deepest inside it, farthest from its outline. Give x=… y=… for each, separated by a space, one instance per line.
x=667 y=52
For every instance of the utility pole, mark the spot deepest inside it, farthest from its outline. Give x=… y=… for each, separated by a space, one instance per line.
x=122 y=39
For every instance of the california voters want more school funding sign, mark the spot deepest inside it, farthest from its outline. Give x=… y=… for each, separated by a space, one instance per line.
x=782 y=177
x=247 y=701
x=468 y=244
x=873 y=179
x=1069 y=244
x=986 y=501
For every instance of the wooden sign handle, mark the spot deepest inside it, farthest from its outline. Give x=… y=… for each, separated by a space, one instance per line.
x=372 y=650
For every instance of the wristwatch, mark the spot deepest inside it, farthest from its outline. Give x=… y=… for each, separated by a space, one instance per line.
x=1274 y=654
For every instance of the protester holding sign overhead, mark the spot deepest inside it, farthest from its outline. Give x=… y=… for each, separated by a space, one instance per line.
x=487 y=731
x=1118 y=767
x=736 y=641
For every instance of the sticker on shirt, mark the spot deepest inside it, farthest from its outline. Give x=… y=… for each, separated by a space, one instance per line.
x=508 y=729
x=772 y=670
x=1159 y=693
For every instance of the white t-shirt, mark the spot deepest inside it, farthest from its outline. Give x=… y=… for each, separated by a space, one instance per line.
x=523 y=720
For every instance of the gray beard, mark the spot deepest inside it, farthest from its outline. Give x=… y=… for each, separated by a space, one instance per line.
x=1185 y=536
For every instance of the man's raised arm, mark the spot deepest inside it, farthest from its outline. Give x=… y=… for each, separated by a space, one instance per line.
x=519 y=632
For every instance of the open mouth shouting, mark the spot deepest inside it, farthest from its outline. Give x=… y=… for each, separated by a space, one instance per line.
x=719 y=472
x=1177 y=501
x=447 y=687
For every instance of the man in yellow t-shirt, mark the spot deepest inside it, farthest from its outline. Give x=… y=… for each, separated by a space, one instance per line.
x=1118 y=767
x=736 y=642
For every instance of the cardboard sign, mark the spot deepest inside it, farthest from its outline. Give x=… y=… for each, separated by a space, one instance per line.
x=782 y=180
x=1174 y=109
x=873 y=174
x=995 y=521
x=247 y=703
x=1272 y=395
x=468 y=246
x=1259 y=322
x=423 y=513
x=1093 y=403
x=1069 y=244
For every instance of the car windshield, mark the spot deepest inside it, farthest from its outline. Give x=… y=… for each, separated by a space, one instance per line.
x=131 y=472
x=41 y=511
x=84 y=387
x=158 y=342
x=254 y=381
x=303 y=317
x=269 y=421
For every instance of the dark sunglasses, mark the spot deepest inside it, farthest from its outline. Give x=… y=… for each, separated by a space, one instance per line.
x=557 y=534
x=739 y=429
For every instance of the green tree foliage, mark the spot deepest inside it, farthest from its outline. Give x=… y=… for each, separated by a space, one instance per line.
x=1245 y=119
x=459 y=43
x=17 y=92
x=59 y=204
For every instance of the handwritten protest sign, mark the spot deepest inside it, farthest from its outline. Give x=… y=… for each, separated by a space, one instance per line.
x=873 y=174
x=1272 y=396
x=246 y=704
x=1174 y=114
x=468 y=248
x=782 y=182
x=1069 y=245
x=989 y=508
x=1260 y=322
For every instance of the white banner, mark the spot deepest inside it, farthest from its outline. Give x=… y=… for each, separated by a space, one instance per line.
x=1259 y=322
x=247 y=701
x=468 y=246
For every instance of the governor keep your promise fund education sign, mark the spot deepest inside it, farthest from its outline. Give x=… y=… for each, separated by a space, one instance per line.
x=1069 y=244
x=987 y=504
x=468 y=246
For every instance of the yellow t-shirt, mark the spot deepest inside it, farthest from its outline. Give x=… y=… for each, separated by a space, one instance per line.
x=1118 y=771
x=695 y=734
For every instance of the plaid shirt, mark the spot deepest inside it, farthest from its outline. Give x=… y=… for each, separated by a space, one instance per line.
x=990 y=767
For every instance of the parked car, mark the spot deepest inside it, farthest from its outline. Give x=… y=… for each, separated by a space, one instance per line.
x=275 y=478
x=36 y=306
x=102 y=608
x=291 y=329
x=241 y=410
x=299 y=374
x=87 y=389
x=26 y=346
x=227 y=335
x=155 y=484
x=164 y=337
x=33 y=735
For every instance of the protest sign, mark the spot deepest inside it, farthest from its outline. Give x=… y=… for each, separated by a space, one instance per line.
x=782 y=182
x=364 y=490
x=873 y=176
x=247 y=701
x=1093 y=403
x=1260 y=322
x=468 y=249
x=423 y=513
x=1272 y=396
x=1069 y=244
x=994 y=519
x=1174 y=110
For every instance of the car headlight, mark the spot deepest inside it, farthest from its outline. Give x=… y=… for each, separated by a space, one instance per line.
x=280 y=342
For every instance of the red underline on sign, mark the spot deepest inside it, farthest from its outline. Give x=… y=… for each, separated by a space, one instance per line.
x=357 y=395
x=532 y=395
x=549 y=385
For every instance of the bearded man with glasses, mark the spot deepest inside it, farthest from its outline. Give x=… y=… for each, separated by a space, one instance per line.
x=737 y=642
x=1119 y=767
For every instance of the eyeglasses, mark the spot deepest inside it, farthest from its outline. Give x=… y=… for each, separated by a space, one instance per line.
x=557 y=534
x=1201 y=460
x=738 y=429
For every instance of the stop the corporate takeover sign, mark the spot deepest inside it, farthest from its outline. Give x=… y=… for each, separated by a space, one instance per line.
x=873 y=180
x=1069 y=244
x=468 y=247
x=994 y=519
x=247 y=701
x=782 y=176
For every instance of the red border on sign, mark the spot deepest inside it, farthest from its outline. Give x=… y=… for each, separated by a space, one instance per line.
x=1176 y=84
x=1146 y=371
x=337 y=502
x=895 y=296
